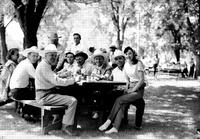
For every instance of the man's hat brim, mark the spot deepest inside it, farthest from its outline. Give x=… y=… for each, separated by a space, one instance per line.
x=84 y=55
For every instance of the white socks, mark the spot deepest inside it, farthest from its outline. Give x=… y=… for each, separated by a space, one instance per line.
x=105 y=125
x=112 y=130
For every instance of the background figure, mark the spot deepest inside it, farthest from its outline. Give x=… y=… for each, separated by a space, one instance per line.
x=8 y=68
x=184 y=72
x=111 y=56
x=54 y=39
x=155 y=65
x=192 y=68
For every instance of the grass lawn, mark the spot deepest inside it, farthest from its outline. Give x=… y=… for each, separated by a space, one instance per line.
x=172 y=112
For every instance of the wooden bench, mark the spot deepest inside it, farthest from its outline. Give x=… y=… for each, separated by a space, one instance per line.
x=46 y=114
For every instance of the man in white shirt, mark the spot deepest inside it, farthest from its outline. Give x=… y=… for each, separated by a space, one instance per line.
x=47 y=93
x=77 y=46
x=117 y=75
x=20 y=79
x=22 y=83
x=83 y=67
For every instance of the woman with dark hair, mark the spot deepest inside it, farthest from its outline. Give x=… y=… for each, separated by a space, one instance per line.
x=134 y=72
x=8 y=68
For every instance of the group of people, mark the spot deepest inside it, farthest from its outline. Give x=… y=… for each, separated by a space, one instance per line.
x=50 y=76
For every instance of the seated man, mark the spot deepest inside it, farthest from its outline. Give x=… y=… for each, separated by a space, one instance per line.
x=47 y=93
x=21 y=77
x=101 y=70
x=117 y=75
x=83 y=67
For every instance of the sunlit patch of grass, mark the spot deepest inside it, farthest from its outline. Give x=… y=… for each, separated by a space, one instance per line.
x=9 y=116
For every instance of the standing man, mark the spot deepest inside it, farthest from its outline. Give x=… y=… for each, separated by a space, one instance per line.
x=77 y=46
x=54 y=39
x=46 y=81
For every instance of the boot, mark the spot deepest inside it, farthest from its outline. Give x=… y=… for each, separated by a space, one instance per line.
x=68 y=129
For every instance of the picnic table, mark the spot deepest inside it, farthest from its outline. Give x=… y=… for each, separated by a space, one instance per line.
x=97 y=91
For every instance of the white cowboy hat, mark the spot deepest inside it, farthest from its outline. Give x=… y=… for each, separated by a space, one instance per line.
x=32 y=49
x=49 y=48
x=98 y=52
x=118 y=53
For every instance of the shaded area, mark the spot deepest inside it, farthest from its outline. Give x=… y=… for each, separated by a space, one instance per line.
x=172 y=111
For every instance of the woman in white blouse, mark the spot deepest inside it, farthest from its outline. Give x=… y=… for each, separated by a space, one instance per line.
x=134 y=72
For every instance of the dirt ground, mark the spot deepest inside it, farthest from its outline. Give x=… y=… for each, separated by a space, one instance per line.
x=172 y=112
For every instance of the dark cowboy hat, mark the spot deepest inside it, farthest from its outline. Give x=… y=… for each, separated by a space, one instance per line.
x=113 y=47
x=84 y=55
x=54 y=36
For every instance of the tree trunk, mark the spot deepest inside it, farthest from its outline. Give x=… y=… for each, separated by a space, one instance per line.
x=197 y=65
x=177 y=54
x=29 y=16
x=4 y=48
x=118 y=39
x=30 y=38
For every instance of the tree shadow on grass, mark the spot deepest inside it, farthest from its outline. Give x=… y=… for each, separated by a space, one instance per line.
x=11 y=122
x=171 y=111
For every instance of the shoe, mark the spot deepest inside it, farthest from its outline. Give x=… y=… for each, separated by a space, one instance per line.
x=111 y=131
x=105 y=125
x=69 y=131
x=198 y=131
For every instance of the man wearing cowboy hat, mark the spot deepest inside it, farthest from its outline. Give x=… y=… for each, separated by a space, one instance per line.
x=83 y=67
x=101 y=70
x=54 y=39
x=47 y=93
x=22 y=81
x=20 y=78
x=111 y=56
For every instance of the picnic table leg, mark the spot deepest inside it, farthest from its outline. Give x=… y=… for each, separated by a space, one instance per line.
x=46 y=122
x=45 y=116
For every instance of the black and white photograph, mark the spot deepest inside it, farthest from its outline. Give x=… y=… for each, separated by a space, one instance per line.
x=100 y=69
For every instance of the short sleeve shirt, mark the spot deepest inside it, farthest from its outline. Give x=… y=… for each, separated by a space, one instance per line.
x=131 y=71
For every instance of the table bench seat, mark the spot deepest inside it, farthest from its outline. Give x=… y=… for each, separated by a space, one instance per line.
x=46 y=114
